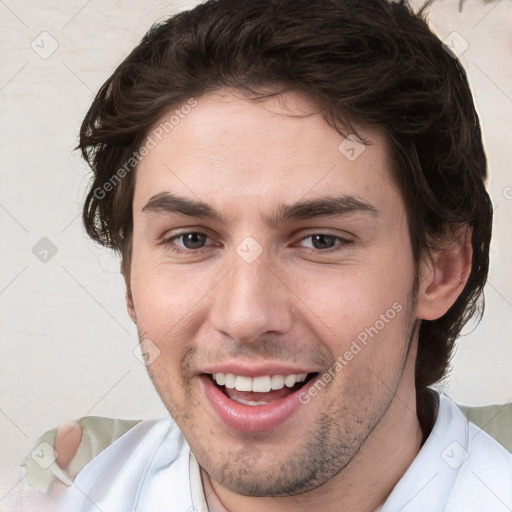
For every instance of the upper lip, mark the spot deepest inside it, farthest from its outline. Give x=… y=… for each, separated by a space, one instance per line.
x=257 y=369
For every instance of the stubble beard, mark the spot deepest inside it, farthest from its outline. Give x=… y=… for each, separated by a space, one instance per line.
x=327 y=448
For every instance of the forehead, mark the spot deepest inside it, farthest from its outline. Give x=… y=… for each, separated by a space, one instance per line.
x=235 y=152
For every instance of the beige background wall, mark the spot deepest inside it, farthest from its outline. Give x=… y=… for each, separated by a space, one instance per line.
x=67 y=343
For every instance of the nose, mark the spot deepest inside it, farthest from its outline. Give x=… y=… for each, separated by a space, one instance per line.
x=251 y=300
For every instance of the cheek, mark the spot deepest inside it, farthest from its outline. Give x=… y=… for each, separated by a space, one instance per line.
x=359 y=302
x=168 y=302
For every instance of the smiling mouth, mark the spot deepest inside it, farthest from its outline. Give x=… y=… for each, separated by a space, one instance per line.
x=261 y=390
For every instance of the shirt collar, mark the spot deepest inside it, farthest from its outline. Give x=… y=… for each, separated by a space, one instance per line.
x=427 y=483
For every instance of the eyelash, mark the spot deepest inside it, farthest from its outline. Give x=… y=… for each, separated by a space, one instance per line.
x=343 y=245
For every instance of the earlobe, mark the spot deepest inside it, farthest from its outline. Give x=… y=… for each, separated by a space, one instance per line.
x=444 y=275
x=130 y=306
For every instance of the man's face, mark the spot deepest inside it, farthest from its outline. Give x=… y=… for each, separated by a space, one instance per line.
x=271 y=286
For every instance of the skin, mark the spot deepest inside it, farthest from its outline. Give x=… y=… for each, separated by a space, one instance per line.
x=349 y=446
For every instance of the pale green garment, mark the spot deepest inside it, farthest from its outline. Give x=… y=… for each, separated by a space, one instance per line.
x=496 y=420
x=98 y=433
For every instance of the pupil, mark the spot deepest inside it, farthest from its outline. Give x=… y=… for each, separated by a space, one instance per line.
x=193 y=240
x=323 y=241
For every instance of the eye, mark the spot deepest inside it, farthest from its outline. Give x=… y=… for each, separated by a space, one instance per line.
x=322 y=242
x=185 y=242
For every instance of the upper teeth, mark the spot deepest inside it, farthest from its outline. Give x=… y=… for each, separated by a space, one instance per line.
x=257 y=384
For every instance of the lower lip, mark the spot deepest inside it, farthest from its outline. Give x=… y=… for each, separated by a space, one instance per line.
x=252 y=419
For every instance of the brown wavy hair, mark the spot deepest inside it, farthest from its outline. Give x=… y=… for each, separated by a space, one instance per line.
x=364 y=63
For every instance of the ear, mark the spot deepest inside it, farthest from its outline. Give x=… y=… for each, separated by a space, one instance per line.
x=444 y=275
x=128 y=296
x=129 y=305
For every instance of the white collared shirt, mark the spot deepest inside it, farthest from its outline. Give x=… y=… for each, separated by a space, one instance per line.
x=459 y=468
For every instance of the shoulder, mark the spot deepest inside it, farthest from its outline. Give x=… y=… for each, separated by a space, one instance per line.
x=484 y=472
x=115 y=478
x=459 y=468
x=137 y=444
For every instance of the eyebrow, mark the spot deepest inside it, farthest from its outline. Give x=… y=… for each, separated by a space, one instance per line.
x=329 y=206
